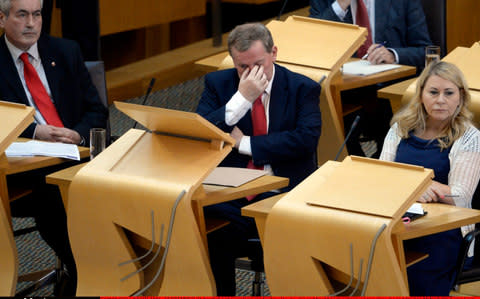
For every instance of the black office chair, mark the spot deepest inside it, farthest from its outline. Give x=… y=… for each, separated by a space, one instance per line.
x=97 y=74
x=254 y=263
x=473 y=274
x=435 y=14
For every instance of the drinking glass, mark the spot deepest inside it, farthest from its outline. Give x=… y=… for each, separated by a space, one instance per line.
x=97 y=141
x=432 y=53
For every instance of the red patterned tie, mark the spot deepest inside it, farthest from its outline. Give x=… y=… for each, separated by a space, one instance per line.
x=39 y=93
x=363 y=21
x=259 y=123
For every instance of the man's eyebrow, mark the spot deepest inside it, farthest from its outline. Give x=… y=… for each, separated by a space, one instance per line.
x=26 y=11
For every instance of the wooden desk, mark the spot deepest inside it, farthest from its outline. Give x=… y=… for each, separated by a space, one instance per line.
x=440 y=217
x=206 y=195
x=395 y=93
x=13 y=165
x=346 y=82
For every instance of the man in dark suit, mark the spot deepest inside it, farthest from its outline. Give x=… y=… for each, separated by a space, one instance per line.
x=281 y=138
x=398 y=33
x=48 y=74
x=400 y=24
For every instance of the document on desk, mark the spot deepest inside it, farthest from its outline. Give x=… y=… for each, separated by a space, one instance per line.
x=41 y=148
x=232 y=176
x=364 y=68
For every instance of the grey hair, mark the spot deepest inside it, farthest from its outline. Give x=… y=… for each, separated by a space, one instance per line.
x=242 y=37
x=6 y=5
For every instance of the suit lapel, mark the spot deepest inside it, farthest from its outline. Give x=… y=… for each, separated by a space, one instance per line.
x=9 y=73
x=52 y=70
x=278 y=99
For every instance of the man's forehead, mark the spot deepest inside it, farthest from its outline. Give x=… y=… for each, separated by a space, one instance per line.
x=19 y=5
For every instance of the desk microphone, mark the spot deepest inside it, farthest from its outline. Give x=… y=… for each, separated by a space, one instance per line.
x=281 y=10
x=149 y=89
x=354 y=125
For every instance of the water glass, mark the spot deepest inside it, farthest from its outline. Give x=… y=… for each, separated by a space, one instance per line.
x=98 y=137
x=432 y=53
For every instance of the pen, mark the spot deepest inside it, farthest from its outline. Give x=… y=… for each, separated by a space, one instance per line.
x=451 y=195
x=378 y=46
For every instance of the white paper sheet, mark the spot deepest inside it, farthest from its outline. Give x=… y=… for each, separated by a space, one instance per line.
x=364 y=68
x=40 y=148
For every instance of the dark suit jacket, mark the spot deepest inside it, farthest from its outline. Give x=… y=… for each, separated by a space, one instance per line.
x=401 y=23
x=294 y=126
x=76 y=98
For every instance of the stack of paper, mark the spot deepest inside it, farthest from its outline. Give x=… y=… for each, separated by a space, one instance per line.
x=364 y=68
x=40 y=148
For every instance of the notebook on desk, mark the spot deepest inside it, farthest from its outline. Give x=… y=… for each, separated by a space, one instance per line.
x=364 y=68
x=232 y=176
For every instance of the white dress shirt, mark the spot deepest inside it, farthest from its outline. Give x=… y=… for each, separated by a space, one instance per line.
x=238 y=106
x=35 y=60
x=370 y=4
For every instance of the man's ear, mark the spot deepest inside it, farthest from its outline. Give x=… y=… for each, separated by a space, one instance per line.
x=3 y=18
x=274 y=53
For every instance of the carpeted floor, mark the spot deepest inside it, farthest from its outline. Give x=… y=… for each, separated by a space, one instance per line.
x=34 y=254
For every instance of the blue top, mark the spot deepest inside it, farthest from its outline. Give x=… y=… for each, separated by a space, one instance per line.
x=426 y=153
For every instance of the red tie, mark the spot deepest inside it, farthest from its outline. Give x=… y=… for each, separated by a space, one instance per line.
x=363 y=21
x=259 y=123
x=39 y=93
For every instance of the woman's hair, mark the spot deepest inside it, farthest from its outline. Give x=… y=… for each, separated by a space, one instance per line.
x=414 y=115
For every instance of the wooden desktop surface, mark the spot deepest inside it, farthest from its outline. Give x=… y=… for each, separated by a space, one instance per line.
x=13 y=165
x=207 y=195
x=394 y=93
x=440 y=217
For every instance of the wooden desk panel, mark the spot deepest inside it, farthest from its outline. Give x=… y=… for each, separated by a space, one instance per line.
x=346 y=82
x=123 y=15
x=440 y=217
x=207 y=195
x=394 y=93
x=12 y=165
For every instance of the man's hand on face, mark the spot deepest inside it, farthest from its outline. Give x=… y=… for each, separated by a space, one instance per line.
x=56 y=134
x=253 y=83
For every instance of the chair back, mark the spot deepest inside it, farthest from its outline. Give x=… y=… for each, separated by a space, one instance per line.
x=435 y=14
x=97 y=74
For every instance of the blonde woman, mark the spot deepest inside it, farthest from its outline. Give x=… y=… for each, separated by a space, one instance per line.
x=435 y=131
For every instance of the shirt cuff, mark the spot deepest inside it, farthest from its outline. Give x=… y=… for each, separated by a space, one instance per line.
x=236 y=108
x=339 y=11
x=245 y=147
x=82 y=142
x=395 y=54
x=34 y=132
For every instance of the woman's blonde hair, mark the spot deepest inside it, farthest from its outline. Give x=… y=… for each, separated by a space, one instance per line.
x=414 y=115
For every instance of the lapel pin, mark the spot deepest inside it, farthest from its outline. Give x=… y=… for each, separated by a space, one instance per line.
x=53 y=63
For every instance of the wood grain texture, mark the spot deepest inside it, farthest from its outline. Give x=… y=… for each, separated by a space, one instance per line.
x=8 y=256
x=122 y=15
x=138 y=174
x=326 y=234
